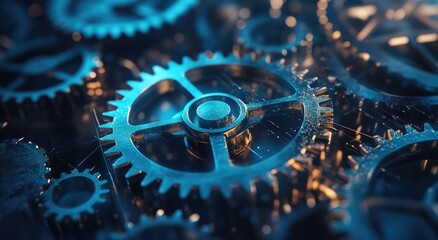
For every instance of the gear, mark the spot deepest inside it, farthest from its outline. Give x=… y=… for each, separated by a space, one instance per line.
x=115 y=17
x=278 y=36
x=289 y=226
x=15 y=24
x=235 y=120
x=23 y=173
x=43 y=67
x=175 y=228
x=74 y=194
x=389 y=35
x=394 y=187
x=355 y=80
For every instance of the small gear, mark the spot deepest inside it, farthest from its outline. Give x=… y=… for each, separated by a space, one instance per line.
x=73 y=195
x=281 y=36
x=115 y=17
x=394 y=187
x=214 y=122
x=175 y=228
x=43 y=67
x=22 y=174
x=388 y=35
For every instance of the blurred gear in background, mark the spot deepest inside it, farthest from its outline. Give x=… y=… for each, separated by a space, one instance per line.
x=115 y=18
x=44 y=67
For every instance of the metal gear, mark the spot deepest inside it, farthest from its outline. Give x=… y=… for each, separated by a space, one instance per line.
x=355 y=83
x=175 y=228
x=278 y=36
x=74 y=194
x=43 y=67
x=389 y=34
x=23 y=174
x=245 y=119
x=115 y=17
x=394 y=187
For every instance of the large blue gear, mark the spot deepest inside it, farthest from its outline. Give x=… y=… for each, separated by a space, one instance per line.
x=114 y=17
x=356 y=222
x=343 y=27
x=44 y=68
x=315 y=120
x=74 y=194
x=176 y=228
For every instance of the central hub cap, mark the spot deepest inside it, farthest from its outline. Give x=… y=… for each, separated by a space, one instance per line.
x=214 y=114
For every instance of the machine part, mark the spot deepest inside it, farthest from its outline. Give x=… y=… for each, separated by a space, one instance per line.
x=73 y=195
x=280 y=36
x=214 y=122
x=161 y=227
x=398 y=38
x=394 y=187
x=115 y=18
x=23 y=174
x=42 y=68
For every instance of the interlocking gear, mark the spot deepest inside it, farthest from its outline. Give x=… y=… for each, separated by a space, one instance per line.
x=278 y=36
x=175 y=228
x=396 y=37
x=394 y=187
x=235 y=120
x=43 y=67
x=73 y=195
x=23 y=174
x=115 y=17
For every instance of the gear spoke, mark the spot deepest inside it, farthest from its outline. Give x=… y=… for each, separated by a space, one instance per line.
x=158 y=129
x=258 y=110
x=192 y=89
x=219 y=148
x=60 y=75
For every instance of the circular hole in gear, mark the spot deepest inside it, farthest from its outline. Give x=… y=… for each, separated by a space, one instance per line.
x=398 y=189
x=73 y=192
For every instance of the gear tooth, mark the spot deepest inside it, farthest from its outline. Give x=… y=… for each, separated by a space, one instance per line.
x=59 y=217
x=115 y=103
x=184 y=191
x=157 y=69
x=148 y=179
x=410 y=129
x=109 y=114
x=107 y=125
x=123 y=93
x=218 y=55
x=132 y=172
x=204 y=191
x=226 y=191
x=428 y=127
x=105 y=191
x=165 y=186
x=134 y=84
x=122 y=161
x=186 y=60
x=108 y=137
x=177 y=214
x=75 y=171
x=172 y=64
